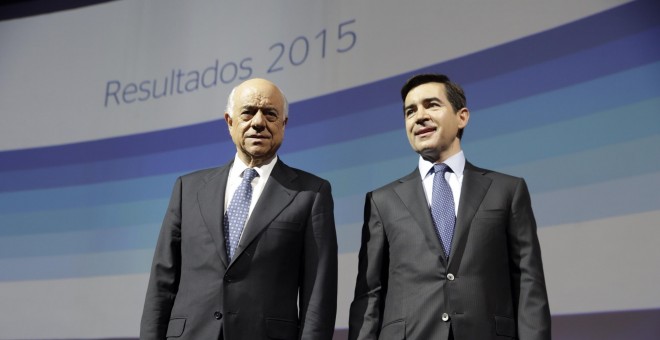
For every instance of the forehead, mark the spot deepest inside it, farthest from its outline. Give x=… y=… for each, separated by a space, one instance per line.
x=259 y=96
x=426 y=91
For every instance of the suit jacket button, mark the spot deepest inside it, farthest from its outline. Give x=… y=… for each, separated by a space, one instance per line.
x=217 y=315
x=445 y=317
x=450 y=277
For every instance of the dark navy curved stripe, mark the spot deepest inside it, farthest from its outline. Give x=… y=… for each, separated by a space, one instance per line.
x=21 y=9
x=554 y=107
x=104 y=193
x=377 y=119
x=612 y=25
x=177 y=161
x=116 y=147
x=590 y=32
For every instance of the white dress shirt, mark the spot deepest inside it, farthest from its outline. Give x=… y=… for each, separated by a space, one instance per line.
x=455 y=178
x=258 y=183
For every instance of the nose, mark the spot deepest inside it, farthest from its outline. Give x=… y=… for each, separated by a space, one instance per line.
x=258 y=121
x=422 y=115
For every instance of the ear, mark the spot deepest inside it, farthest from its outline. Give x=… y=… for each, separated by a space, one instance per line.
x=463 y=116
x=228 y=119
x=286 y=120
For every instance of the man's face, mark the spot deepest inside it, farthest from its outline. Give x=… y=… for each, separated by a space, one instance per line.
x=256 y=123
x=431 y=123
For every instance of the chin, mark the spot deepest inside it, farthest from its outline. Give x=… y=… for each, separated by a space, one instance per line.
x=258 y=154
x=429 y=154
x=262 y=154
x=425 y=148
x=257 y=149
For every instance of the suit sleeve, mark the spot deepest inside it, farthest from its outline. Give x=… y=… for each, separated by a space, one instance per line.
x=318 y=292
x=366 y=311
x=533 y=312
x=165 y=272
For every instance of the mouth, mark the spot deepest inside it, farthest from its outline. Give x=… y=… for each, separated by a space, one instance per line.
x=425 y=131
x=258 y=136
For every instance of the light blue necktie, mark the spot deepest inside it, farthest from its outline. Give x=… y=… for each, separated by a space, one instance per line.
x=442 y=207
x=237 y=212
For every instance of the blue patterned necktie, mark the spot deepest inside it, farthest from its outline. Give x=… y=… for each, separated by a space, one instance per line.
x=237 y=211
x=442 y=207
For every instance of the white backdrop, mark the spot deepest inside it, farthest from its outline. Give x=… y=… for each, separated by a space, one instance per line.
x=74 y=78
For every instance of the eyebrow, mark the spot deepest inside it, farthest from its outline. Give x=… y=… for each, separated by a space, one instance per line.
x=425 y=100
x=254 y=107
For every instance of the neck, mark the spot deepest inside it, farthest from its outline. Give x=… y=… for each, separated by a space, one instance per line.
x=438 y=157
x=254 y=162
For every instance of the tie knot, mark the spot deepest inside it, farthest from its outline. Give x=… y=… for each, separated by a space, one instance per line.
x=441 y=168
x=249 y=174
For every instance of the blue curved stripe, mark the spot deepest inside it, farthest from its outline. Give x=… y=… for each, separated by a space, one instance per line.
x=626 y=38
x=559 y=122
x=640 y=84
x=390 y=154
x=148 y=212
x=561 y=172
x=631 y=195
x=624 y=162
x=98 y=194
x=573 y=204
x=634 y=81
x=118 y=147
x=542 y=175
x=178 y=161
x=77 y=265
x=128 y=237
x=611 y=162
x=609 y=199
x=602 y=129
x=564 y=71
x=625 y=196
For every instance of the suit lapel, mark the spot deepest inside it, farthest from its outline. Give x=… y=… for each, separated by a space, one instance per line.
x=210 y=199
x=474 y=188
x=276 y=196
x=411 y=193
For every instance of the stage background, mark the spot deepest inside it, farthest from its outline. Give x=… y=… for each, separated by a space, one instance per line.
x=103 y=106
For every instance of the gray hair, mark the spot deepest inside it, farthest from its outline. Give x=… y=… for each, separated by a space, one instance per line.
x=230 y=102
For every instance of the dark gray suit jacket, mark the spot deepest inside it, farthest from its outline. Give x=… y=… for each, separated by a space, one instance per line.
x=493 y=286
x=287 y=257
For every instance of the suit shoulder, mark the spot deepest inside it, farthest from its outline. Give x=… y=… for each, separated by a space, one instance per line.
x=309 y=178
x=414 y=175
x=198 y=178
x=199 y=174
x=495 y=175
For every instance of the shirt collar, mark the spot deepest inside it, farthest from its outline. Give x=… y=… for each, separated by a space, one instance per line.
x=264 y=170
x=456 y=163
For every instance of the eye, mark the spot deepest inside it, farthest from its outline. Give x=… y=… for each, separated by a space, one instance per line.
x=408 y=112
x=271 y=115
x=247 y=114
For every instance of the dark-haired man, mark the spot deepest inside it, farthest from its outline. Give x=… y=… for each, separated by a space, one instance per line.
x=449 y=251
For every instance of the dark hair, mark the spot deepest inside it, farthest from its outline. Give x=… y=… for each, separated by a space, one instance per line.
x=454 y=92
